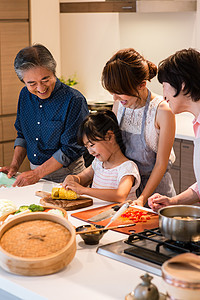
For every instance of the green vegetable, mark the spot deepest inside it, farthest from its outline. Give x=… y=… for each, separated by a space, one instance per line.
x=22 y=208
x=34 y=207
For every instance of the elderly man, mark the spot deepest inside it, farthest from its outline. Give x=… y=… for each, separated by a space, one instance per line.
x=48 y=117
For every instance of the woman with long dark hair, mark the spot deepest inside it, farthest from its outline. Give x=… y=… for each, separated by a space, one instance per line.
x=146 y=121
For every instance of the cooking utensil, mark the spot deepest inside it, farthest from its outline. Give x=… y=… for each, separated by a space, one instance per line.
x=140 y=226
x=118 y=213
x=180 y=229
x=107 y=214
x=36 y=265
x=105 y=229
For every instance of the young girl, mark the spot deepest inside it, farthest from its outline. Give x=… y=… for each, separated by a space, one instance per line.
x=114 y=178
x=146 y=121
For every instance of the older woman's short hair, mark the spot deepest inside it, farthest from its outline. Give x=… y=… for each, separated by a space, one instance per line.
x=34 y=56
x=182 y=71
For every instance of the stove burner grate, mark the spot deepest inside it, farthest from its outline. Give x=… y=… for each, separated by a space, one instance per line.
x=152 y=246
x=183 y=246
x=147 y=255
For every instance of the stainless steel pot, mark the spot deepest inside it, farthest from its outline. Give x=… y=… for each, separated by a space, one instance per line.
x=180 y=229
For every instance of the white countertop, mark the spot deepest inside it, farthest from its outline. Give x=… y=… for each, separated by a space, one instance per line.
x=89 y=276
x=184 y=126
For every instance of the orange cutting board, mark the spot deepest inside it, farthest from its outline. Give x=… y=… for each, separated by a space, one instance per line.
x=139 y=227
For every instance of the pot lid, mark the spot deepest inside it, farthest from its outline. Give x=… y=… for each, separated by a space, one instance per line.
x=182 y=273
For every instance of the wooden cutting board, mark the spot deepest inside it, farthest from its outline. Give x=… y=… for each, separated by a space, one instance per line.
x=68 y=205
x=139 y=227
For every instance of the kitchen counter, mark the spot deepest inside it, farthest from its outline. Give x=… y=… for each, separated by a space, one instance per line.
x=89 y=276
x=184 y=126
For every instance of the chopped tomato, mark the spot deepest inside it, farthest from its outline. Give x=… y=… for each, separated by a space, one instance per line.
x=136 y=215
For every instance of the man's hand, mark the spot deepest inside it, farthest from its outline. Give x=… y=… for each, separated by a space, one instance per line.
x=26 y=178
x=9 y=170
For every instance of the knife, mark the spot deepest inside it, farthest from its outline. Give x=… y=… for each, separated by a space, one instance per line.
x=108 y=213
x=105 y=229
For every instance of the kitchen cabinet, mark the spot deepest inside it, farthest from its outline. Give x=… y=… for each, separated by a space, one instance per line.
x=12 y=9
x=136 y=6
x=7 y=153
x=14 y=35
x=99 y=6
x=187 y=173
x=7 y=137
x=182 y=170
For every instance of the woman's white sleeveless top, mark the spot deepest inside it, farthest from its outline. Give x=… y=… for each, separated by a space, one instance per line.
x=132 y=122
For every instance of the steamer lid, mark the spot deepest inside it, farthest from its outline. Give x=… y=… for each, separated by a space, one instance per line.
x=182 y=273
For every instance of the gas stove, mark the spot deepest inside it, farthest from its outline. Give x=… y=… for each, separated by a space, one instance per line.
x=147 y=250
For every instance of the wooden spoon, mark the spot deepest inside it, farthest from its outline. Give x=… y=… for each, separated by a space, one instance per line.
x=104 y=229
x=186 y=258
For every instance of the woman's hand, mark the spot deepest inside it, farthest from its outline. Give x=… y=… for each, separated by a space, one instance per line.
x=76 y=187
x=139 y=202
x=158 y=201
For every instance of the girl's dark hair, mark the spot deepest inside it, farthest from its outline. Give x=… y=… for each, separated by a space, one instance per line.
x=34 y=56
x=96 y=126
x=125 y=71
x=182 y=69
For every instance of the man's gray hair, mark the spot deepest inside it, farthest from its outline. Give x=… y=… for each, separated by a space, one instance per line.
x=34 y=56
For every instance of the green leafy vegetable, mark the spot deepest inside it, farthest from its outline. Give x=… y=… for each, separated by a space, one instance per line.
x=22 y=208
x=34 y=207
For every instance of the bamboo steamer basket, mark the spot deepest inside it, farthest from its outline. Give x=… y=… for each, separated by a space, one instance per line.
x=43 y=265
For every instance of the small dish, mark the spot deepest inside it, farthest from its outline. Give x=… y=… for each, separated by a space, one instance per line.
x=91 y=238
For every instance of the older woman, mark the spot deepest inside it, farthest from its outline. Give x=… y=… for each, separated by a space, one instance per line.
x=146 y=121
x=48 y=116
x=180 y=75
